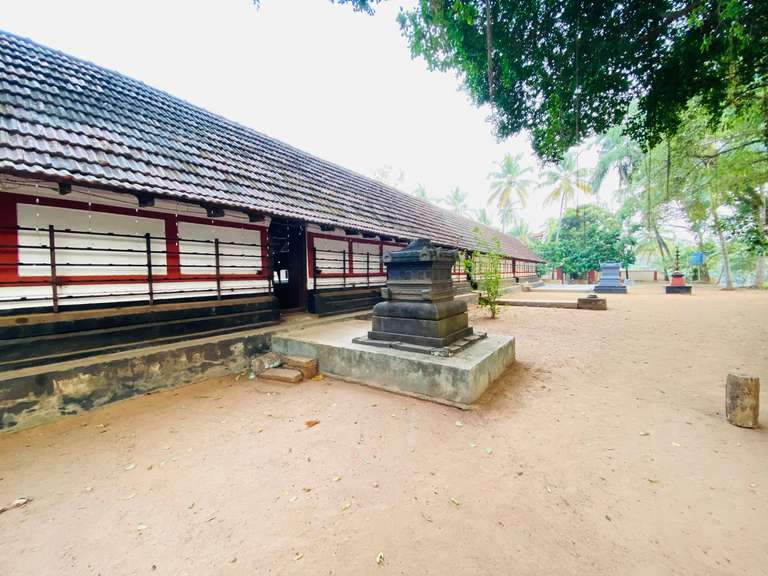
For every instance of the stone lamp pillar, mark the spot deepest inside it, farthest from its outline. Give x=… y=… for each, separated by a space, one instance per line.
x=420 y=313
x=677 y=283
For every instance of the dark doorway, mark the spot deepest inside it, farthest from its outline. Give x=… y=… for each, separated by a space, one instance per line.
x=287 y=249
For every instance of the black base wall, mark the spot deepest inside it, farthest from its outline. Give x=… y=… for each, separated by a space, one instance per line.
x=71 y=337
x=343 y=300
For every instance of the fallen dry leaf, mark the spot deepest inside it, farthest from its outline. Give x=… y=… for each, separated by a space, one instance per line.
x=312 y=423
x=18 y=503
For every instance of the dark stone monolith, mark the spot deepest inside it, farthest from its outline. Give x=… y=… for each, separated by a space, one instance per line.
x=610 y=279
x=419 y=307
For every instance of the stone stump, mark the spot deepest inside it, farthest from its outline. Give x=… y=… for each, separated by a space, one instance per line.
x=742 y=400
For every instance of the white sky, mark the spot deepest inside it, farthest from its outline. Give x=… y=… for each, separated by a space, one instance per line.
x=318 y=76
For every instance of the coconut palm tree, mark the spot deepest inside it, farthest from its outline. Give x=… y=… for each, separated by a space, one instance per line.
x=420 y=192
x=457 y=200
x=564 y=181
x=508 y=183
x=507 y=218
x=520 y=230
x=619 y=151
x=483 y=217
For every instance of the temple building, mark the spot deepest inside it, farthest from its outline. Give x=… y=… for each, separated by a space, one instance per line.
x=129 y=215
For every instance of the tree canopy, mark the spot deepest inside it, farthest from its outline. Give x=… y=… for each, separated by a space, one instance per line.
x=568 y=69
x=588 y=236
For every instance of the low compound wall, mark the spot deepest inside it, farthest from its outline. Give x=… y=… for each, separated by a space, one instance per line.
x=35 y=395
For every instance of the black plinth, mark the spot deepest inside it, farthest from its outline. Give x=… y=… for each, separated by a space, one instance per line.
x=419 y=307
x=677 y=284
x=610 y=279
x=683 y=289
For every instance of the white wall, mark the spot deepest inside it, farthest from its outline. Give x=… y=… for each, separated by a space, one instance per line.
x=73 y=258
x=331 y=263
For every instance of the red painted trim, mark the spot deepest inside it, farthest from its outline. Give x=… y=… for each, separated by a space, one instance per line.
x=265 y=251
x=98 y=280
x=172 y=256
x=8 y=236
x=381 y=257
x=140 y=212
x=8 y=218
x=220 y=223
x=350 y=275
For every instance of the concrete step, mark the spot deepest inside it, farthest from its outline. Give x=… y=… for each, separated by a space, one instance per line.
x=287 y=375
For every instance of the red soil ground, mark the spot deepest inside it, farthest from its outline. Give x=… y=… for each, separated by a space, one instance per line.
x=605 y=451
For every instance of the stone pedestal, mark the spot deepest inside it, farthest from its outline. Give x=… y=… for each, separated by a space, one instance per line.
x=420 y=313
x=610 y=279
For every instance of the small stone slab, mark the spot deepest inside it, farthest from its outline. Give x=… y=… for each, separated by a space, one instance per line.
x=287 y=375
x=539 y=303
x=592 y=303
x=306 y=365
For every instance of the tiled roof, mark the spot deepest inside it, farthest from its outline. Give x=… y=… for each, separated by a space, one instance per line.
x=67 y=119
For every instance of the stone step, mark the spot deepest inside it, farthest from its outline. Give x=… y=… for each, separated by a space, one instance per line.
x=306 y=365
x=287 y=375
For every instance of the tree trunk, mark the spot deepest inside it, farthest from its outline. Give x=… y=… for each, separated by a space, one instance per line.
x=663 y=250
x=560 y=218
x=723 y=251
x=703 y=269
x=760 y=268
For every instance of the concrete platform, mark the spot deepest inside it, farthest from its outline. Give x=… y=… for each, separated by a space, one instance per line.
x=562 y=288
x=457 y=380
x=586 y=303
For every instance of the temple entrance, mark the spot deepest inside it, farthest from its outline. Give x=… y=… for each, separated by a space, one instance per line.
x=287 y=250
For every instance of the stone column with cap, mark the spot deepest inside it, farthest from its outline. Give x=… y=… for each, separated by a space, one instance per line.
x=420 y=310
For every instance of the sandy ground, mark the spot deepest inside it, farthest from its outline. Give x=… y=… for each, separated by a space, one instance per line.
x=604 y=451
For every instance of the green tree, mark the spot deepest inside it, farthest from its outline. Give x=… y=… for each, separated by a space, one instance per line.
x=507 y=218
x=616 y=151
x=564 y=181
x=456 y=200
x=509 y=186
x=420 y=191
x=567 y=69
x=747 y=224
x=704 y=172
x=520 y=230
x=482 y=216
x=486 y=266
x=589 y=236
